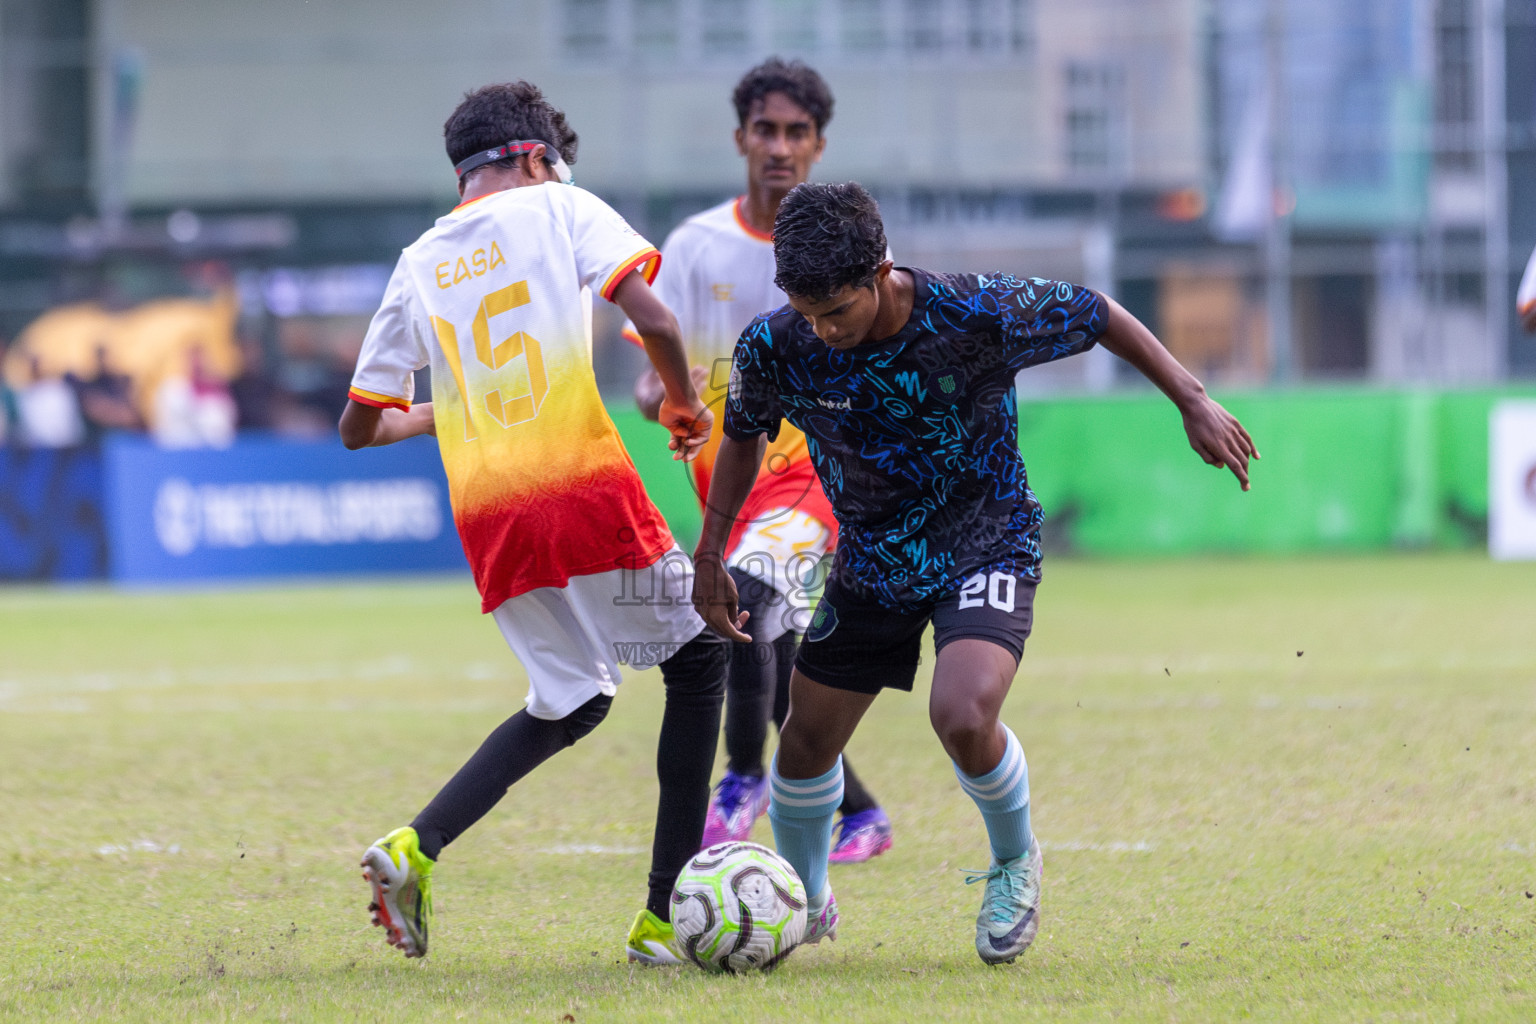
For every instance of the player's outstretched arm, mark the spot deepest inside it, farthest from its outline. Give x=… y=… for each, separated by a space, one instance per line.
x=365 y=426
x=649 y=392
x=731 y=480
x=679 y=410
x=1214 y=433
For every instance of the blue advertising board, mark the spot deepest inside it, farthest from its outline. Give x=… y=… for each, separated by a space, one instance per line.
x=50 y=514
x=269 y=507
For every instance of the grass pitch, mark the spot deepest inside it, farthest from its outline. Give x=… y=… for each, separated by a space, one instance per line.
x=1298 y=790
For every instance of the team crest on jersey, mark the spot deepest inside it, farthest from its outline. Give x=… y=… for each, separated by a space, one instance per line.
x=822 y=623
x=947 y=384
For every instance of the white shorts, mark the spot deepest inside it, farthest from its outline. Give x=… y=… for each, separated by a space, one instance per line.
x=783 y=547
x=572 y=639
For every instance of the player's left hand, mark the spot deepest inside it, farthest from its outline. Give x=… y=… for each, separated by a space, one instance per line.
x=1218 y=438
x=715 y=597
x=690 y=426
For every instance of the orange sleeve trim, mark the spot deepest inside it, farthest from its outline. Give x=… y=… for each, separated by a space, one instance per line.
x=471 y=202
x=633 y=336
x=648 y=256
x=378 y=401
x=752 y=232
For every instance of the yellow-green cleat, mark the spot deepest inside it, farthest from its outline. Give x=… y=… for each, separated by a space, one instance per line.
x=401 y=877
x=651 y=941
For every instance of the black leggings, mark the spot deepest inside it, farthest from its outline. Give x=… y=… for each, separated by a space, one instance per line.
x=758 y=690
x=685 y=755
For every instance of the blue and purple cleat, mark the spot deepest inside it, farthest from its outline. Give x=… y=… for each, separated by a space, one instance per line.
x=738 y=802
x=861 y=836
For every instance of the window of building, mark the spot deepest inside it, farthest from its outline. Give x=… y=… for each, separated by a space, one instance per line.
x=925 y=25
x=655 y=27
x=1095 y=117
x=727 y=30
x=863 y=26
x=1455 y=85
x=585 y=27
x=795 y=25
x=726 y=27
x=997 y=26
x=1021 y=26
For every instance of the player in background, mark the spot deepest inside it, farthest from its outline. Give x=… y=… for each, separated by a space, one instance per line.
x=554 y=520
x=903 y=380
x=717 y=274
x=1525 y=296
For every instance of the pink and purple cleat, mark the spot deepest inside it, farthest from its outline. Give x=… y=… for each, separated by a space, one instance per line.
x=861 y=836
x=738 y=802
x=823 y=923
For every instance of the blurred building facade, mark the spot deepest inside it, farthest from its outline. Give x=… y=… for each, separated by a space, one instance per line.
x=1285 y=189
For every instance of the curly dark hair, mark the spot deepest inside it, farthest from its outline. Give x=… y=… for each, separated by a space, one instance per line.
x=496 y=114
x=798 y=81
x=825 y=238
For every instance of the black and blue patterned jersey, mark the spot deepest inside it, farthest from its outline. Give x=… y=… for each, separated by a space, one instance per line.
x=915 y=437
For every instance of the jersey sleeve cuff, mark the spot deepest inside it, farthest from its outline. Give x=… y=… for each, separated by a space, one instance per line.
x=632 y=336
x=738 y=433
x=647 y=259
x=378 y=401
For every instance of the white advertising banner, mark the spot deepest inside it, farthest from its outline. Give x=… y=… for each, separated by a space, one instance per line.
x=1512 y=480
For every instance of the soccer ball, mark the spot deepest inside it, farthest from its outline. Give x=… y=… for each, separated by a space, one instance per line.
x=738 y=907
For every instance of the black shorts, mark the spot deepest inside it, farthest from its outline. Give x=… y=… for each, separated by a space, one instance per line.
x=855 y=644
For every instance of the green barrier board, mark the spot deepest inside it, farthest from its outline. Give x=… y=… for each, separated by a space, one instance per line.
x=1346 y=469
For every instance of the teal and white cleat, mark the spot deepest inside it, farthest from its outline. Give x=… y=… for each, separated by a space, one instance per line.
x=823 y=925
x=401 y=876
x=1010 y=910
x=651 y=941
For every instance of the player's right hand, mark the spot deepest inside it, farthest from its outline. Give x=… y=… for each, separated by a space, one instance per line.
x=690 y=425
x=715 y=598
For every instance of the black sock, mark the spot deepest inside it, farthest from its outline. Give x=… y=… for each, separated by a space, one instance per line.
x=685 y=755
x=750 y=688
x=855 y=797
x=515 y=748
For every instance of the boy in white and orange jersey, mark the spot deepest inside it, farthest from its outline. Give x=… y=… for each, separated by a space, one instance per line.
x=717 y=277
x=558 y=530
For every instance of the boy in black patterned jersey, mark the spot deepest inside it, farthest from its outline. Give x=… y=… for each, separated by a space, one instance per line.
x=903 y=382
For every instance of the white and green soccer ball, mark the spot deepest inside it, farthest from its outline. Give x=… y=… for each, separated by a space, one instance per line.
x=738 y=907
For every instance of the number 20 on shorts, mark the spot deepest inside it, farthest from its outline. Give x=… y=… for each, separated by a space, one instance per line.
x=505 y=411
x=995 y=589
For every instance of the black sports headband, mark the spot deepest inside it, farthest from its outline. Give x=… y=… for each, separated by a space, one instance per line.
x=517 y=147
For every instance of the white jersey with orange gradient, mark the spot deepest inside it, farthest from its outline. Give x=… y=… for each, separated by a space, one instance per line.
x=717 y=277
x=497 y=298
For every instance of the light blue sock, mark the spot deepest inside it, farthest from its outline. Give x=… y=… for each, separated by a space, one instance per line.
x=1002 y=796
x=801 y=811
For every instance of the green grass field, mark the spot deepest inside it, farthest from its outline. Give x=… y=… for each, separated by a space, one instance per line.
x=1269 y=790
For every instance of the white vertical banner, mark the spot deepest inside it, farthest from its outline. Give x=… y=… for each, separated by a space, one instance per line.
x=1512 y=480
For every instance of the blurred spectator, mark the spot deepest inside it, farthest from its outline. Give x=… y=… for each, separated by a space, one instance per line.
x=1525 y=298
x=7 y=403
x=255 y=390
x=106 y=397
x=47 y=412
x=196 y=410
